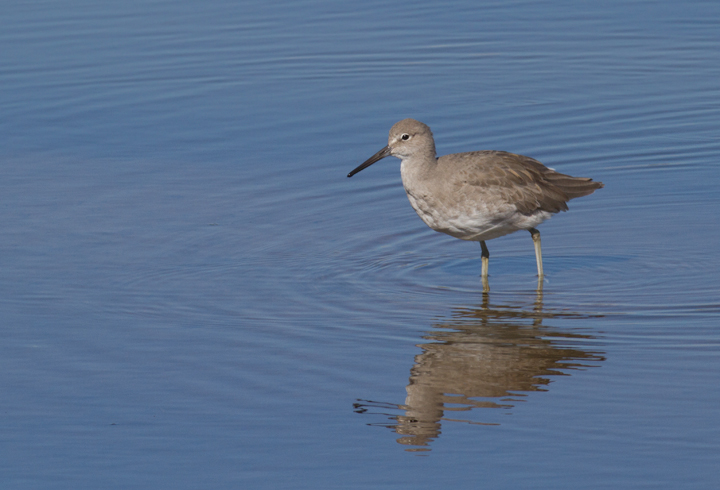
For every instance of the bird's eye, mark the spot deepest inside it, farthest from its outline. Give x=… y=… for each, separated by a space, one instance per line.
x=405 y=137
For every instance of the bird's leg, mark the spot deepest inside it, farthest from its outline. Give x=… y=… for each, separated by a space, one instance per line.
x=485 y=285
x=485 y=264
x=485 y=258
x=538 y=250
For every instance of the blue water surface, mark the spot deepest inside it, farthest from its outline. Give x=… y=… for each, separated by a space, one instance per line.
x=195 y=296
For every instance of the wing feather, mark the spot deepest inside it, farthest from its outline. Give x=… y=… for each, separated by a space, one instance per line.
x=520 y=180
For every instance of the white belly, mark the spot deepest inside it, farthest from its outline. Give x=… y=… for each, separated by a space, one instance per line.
x=476 y=220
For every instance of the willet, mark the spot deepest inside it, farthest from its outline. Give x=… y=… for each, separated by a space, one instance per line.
x=480 y=195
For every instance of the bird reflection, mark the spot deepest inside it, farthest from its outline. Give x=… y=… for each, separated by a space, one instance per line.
x=482 y=357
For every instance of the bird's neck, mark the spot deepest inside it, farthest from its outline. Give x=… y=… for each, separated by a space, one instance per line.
x=418 y=167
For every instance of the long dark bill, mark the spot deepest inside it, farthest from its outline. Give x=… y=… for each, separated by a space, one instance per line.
x=377 y=156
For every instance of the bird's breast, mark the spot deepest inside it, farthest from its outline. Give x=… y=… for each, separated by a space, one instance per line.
x=468 y=217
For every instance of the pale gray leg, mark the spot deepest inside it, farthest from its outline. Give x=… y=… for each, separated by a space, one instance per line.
x=485 y=259
x=538 y=250
x=485 y=265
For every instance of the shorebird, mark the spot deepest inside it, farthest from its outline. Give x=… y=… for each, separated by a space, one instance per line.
x=479 y=195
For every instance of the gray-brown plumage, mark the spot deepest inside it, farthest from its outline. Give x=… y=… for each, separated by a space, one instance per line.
x=478 y=195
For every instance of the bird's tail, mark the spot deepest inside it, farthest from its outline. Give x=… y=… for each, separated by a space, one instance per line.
x=573 y=187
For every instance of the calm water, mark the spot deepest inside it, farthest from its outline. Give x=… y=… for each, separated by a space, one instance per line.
x=195 y=296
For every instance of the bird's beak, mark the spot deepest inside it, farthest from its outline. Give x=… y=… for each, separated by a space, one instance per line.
x=377 y=156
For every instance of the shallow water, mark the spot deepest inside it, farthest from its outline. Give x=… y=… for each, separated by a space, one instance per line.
x=194 y=294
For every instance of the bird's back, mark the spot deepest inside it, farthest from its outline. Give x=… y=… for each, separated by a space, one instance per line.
x=514 y=179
